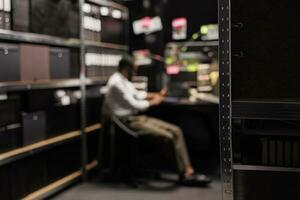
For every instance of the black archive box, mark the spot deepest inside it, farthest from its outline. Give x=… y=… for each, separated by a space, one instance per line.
x=10 y=62
x=63 y=160
x=62 y=120
x=5 y=187
x=60 y=63
x=34 y=127
x=10 y=137
x=10 y=110
x=28 y=175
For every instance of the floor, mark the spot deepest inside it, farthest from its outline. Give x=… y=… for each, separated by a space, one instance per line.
x=148 y=190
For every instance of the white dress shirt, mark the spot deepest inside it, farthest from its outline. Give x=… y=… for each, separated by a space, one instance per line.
x=122 y=98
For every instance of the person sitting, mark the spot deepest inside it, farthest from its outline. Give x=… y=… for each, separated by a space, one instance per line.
x=125 y=102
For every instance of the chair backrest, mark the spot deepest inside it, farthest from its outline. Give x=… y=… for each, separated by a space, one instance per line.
x=109 y=117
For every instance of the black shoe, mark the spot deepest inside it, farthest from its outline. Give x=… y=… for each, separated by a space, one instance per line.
x=200 y=180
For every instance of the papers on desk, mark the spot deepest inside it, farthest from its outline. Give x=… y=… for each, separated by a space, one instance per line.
x=208 y=98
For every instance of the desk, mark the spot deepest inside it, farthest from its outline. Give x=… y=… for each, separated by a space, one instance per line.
x=199 y=121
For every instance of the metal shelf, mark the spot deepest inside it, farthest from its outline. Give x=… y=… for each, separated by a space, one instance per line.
x=196 y=43
x=37 y=85
x=264 y=168
x=266 y=110
x=59 y=185
x=35 y=148
x=108 y=3
x=14 y=36
x=93 y=128
x=95 y=81
x=26 y=151
x=106 y=45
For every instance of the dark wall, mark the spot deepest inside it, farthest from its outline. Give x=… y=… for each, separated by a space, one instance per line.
x=197 y=12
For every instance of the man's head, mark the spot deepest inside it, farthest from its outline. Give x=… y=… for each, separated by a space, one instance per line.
x=127 y=67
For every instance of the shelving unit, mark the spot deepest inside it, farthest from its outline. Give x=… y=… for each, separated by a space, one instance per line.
x=259 y=102
x=33 y=38
x=60 y=184
x=13 y=158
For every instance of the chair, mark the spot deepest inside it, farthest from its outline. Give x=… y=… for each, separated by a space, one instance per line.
x=125 y=147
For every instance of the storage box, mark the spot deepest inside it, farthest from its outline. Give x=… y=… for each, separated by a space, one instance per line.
x=34 y=127
x=10 y=137
x=34 y=62
x=10 y=62
x=60 y=63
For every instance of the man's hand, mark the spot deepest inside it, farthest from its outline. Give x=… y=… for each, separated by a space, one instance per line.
x=156 y=99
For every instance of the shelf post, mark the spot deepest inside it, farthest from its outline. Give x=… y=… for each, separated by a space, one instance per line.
x=225 y=100
x=84 y=149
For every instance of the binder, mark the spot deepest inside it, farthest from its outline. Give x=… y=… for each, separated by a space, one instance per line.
x=7 y=14
x=20 y=15
x=34 y=62
x=1 y=14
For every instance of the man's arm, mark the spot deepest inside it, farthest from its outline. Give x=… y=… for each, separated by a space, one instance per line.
x=129 y=98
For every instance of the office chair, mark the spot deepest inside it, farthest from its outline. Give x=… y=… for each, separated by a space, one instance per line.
x=122 y=149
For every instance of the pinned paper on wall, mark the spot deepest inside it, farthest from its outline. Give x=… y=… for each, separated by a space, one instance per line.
x=179 y=26
x=147 y=25
x=142 y=57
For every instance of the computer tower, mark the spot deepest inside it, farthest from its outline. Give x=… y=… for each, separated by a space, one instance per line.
x=10 y=59
x=34 y=127
x=20 y=15
x=34 y=62
x=60 y=63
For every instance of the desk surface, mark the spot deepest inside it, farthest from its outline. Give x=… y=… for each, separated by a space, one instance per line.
x=186 y=101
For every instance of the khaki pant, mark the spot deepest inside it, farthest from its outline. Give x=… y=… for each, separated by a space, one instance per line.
x=151 y=126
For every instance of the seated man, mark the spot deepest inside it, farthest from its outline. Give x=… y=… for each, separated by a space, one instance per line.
x=125 y=102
